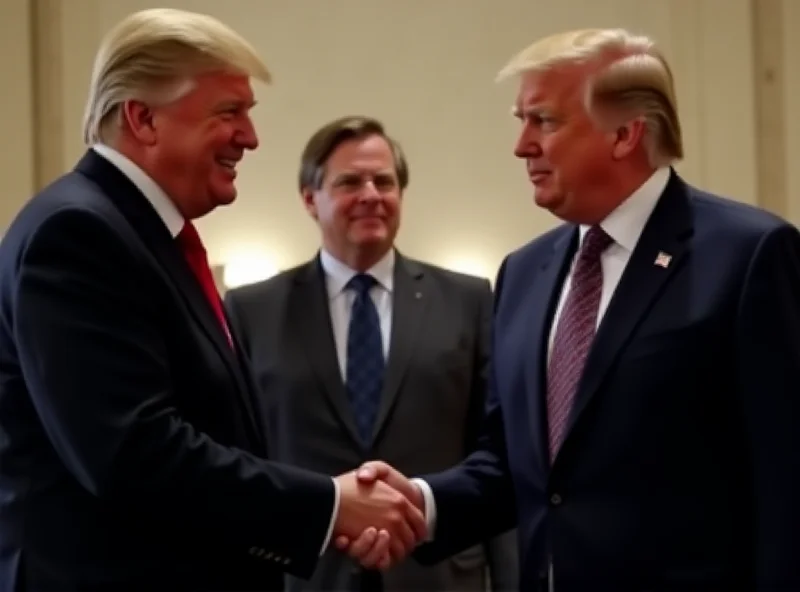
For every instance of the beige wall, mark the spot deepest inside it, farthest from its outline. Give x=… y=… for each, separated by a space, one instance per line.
x=16 y=108
x=790 y=17
x=426 y=69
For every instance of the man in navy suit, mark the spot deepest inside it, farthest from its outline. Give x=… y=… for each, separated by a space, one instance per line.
x=645 y=404
x=130 y=456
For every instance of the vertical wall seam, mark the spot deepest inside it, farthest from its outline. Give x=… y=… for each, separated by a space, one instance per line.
x=770 y=91
x=48 y=91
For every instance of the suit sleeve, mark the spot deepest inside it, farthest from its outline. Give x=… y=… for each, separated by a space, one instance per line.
x=240 y=328
x=474 y=501
x=768 y=364
x=91 y=345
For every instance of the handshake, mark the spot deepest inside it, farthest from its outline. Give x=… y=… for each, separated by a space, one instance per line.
x=381 y=516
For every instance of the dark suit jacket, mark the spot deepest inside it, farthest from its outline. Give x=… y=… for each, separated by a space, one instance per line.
x=680 y=467
x=128 y=444
x=432 y=404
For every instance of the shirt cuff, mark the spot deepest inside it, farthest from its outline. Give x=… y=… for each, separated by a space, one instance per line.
x=337 y=495
x=430 y=506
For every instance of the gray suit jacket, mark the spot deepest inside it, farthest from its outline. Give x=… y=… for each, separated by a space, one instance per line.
x=430 y=413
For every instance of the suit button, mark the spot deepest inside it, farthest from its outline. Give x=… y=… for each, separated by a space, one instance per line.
x=555 y=499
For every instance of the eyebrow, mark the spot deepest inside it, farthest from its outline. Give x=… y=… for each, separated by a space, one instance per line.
x=236 y=103
x=531 y=110
x=355 y=173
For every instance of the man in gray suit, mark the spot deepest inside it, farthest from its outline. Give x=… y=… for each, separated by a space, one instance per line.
x=363 y=353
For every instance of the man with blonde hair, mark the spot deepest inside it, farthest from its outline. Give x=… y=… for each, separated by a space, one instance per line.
x=130 y=457
x=644 y=406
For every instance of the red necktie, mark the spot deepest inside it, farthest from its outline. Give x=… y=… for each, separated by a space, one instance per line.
x=195 y=254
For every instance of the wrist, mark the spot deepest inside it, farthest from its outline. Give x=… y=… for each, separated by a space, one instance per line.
x=417 y=498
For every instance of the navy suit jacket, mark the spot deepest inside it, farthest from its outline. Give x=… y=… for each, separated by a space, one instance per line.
x=130 y=458
x=679 y=470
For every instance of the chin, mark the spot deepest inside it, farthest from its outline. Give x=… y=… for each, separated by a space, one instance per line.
x=370 y=238
x=546 y=199
x=224 y=198
x=543 y=201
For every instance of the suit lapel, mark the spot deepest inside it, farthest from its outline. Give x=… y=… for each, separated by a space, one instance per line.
x=667 y=231
x=189 y=287
x=409 y=303
x=310 y=310
x=548 y=281
x=144 y=219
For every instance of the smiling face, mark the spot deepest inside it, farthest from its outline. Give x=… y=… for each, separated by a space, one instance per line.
x=191 y=146
x=358 y=203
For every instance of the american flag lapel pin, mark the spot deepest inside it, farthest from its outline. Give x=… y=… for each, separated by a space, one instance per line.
x=663 y=259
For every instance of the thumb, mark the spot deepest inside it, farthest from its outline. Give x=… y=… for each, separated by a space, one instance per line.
x=372 y=471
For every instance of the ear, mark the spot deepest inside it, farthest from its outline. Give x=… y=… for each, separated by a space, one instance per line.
x=627 y=137
x=140 y=120
x=307 y=195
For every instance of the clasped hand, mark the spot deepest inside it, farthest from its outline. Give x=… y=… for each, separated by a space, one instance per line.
x=381 y=515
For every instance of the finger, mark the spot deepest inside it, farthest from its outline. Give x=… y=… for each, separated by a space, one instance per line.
x=380 y=549
x=397 y=550
x=403 y=540
x=361 y=546
x=385 y=562
x=342 y=542
x=371 y=471
x=417 y=523
x=408 y=536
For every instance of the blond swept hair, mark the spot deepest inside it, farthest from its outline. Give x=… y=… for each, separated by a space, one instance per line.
x=631 y=79
x=152 y=56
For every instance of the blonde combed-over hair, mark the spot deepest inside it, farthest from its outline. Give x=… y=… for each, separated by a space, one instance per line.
x=632 y=79
x=152 y=56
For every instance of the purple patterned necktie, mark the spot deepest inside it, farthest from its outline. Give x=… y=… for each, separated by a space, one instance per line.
x=574 y=334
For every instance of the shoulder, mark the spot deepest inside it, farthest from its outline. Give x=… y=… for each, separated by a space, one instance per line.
x=72 y=211
x=450 y=279
x=728 y=230
x=723 y=217
x=534 y=250
x=268 y=291
x=71 y=244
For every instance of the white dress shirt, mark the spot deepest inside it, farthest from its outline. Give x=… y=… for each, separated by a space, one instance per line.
x=174 y=222
x=624 y=225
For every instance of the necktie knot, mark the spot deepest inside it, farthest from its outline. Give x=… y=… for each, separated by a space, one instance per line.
x=361 y=283
x=189 y=239
x=595 y=242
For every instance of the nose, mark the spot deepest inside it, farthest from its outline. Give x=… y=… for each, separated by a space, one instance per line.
x=528 y=145
x=369 y=192
x=246 y=135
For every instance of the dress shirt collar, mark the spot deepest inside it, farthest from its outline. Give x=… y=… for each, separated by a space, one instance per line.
x=162 y=204
x=626 y=223
x=337 y=274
